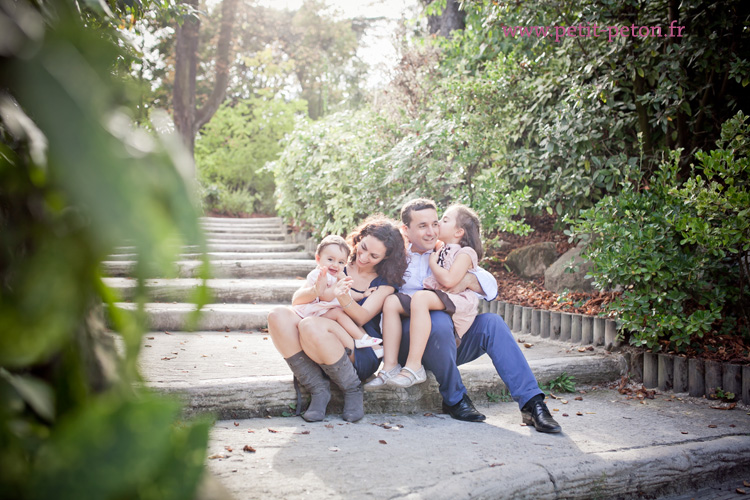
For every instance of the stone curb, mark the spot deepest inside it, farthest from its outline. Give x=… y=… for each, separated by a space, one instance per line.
x=556 y=325
x=697 y=377
x=663 y=371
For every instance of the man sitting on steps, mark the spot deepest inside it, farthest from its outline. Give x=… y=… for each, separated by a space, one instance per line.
x=488 y=334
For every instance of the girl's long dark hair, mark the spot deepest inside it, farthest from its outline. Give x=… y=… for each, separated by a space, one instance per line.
x=468 y=220
x=393 y=266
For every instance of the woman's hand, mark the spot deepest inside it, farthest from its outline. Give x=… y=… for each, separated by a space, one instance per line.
x=342 y=288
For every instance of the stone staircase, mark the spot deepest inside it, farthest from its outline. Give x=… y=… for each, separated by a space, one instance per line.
x=229 y=366
x=254 y=266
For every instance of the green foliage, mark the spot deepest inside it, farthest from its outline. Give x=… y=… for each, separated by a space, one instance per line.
x=328 y=176
x=503 y=397
x=718 y=193
x=676 y=248
x=234 y=147
x=726 y=396
x=561 y=114
x=561 y=383
x=77 y=180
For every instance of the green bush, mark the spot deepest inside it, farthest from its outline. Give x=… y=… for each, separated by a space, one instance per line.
x=676 y=248
x=77 y=180
x=345 y=166
x=233 y=148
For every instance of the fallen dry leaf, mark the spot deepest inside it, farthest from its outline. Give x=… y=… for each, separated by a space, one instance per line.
x=303 y=432
x=333 y=448
x=329 y=426
x=215 y=456
x=429 y=415
x=497 y=465
x=579 y=413
x=228 y=448
x=528 y=346
x=724 y=406
x=746 y=484
x=712 y=426
x=251 y=431
x=167 y=333
x=741 y=491
x=564 y=414
x=273 y=431
x=578 y=398
x=581 y=349
x=236 y=424
x=382 y=441
x=150 y=338
x=167 y=358
x=684 y=432
x=248 y=449
x=564 y=401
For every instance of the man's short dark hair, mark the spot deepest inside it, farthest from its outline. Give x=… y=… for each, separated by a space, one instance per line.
x=415 y=205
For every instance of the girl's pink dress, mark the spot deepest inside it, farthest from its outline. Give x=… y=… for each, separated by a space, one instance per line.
x=466 y=302
x=317 y=307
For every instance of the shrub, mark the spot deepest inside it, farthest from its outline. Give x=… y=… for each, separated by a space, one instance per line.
x=672 y=246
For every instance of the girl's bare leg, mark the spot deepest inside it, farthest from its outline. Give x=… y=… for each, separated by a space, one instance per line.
x=282 y=327
x=421 y=304
x=392 y=312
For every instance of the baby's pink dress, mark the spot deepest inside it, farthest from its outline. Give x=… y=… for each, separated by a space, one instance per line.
x=317 y=307
x=466 y=302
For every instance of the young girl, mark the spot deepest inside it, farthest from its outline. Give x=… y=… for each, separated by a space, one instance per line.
x=319 y=298
x=459 y=236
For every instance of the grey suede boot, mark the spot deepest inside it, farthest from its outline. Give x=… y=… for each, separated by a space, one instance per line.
x=311 y=377
x=344 y=375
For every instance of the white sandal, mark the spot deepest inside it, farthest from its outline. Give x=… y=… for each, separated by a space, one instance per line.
x=367 y=341
x=382 y=378
x=408 y=377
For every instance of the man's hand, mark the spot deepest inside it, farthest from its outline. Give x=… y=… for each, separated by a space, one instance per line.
x=467 y=282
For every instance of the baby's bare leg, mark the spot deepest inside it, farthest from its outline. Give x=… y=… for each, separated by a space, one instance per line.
x=338 y=315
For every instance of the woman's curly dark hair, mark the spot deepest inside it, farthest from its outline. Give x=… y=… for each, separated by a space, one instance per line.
x=393 y=266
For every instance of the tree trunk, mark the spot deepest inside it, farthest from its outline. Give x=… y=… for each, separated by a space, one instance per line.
x=452 y=18
x=187 y=118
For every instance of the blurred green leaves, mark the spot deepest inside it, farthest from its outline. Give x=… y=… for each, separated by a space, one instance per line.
x=77 y=180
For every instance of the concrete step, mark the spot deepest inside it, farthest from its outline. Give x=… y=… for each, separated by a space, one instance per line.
x=233 y=237
x=240 y=220
x=611 y=447
x=230 y=239
x=248 y=291
x=232 y=247
x=214 y=317
x=243 y=229
x=240 y=374
x=227 y=256
x=223 y=268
